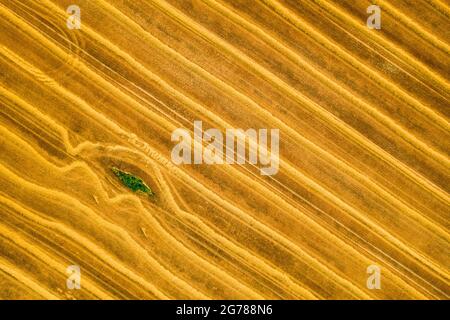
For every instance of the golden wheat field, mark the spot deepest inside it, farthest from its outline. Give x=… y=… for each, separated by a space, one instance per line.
x=364 y=171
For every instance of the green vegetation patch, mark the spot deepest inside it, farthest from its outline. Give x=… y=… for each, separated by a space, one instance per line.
x=132 y=182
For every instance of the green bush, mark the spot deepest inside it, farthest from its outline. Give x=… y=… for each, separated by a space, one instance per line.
x=134 y=183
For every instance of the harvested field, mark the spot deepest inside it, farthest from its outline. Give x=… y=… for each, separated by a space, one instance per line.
x=86 y=117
